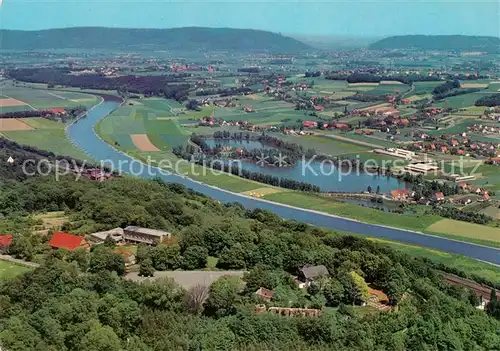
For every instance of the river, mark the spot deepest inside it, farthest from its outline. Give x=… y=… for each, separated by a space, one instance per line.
x=82 y=135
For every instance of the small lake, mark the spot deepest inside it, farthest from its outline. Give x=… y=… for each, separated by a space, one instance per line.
x=323 y=174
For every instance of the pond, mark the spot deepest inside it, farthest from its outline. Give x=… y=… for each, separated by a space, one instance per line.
x=323 y=174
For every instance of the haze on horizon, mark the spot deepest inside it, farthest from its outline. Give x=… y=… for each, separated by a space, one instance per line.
x=353 y=18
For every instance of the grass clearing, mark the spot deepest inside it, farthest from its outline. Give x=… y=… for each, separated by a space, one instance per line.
x=466 y=230
x=10 y=270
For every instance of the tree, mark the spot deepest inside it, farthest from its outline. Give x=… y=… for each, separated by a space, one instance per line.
x=146 y=268
x=99 y=339
x=109 y=242
x=195 y=257
x=355 y=287
x=232 y=258
x=102 y=258
x=333 y=292
x=21 y=247
x=195 y=297
x=81 y=256
x=378 y=189
x=369 y=189
x=223 y=296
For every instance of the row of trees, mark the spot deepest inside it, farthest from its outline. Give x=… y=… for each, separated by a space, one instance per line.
x=489 y=100
x=168 y=86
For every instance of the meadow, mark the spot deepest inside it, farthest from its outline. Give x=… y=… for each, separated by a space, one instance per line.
x=467 y=230
x=10 y=270
x=45 y=99
x=46 y=135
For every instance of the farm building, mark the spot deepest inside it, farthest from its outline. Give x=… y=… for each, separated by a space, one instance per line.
x=144 y=235
x=116 y=234
x=264 y=294
x=422 y=168
x=309 y=274
x=60 y=240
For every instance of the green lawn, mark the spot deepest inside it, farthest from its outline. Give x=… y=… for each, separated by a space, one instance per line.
x=10 y=270
x=48 y=135
x=462 y=263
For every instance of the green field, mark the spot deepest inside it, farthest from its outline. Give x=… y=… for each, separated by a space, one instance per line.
x=45 y=99
x=417 y=222
x=48 y=135
x=460 y=101
x=462 y=263
x=10 y=270
x=466 y=230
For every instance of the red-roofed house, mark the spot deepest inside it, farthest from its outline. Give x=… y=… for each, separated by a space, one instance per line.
x=319 y=108
x=342 y=125
x=486 y=197
x=5 y=241
x=60 y=240
x=309 y=124
x=399 y=194
x=58 y=111
x=439 y=196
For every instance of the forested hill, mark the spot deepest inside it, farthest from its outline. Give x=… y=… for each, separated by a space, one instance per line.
x=189 y=38
x=439 y=42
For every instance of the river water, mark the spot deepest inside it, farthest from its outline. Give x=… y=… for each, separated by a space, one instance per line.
x=82 y=135
x=323 y=174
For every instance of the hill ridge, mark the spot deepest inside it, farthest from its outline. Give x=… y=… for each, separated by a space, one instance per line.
x=439 y=42
x=181 y=38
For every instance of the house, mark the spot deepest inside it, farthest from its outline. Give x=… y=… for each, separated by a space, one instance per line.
x=399 y=194
x=264 y=294
x=439 y=196
x=462 y=200
x=309 y=274
x=341 y=125
x=5 y=241
x=60 y=240
x=486 y=196
x=309 y=124
x=144 y=235
x=319 y=108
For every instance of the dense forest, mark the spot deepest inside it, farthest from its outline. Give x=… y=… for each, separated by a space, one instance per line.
x=78 y=300
x=185 y=39
x=489 y=100
x=168 y=86
x=439 y=42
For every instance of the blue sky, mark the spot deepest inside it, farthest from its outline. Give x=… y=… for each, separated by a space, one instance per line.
x=340 y=18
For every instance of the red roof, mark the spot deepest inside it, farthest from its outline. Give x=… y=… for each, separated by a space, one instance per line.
x=439 y=196
x=319 y=108
x=60 y=240
x=5 y=240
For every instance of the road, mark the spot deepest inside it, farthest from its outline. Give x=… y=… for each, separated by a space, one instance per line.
x=83 y=136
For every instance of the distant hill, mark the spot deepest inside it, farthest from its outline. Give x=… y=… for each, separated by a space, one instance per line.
x=189 y=38
x=439 y=42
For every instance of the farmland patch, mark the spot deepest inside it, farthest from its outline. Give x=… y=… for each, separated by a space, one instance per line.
x=142 y=142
